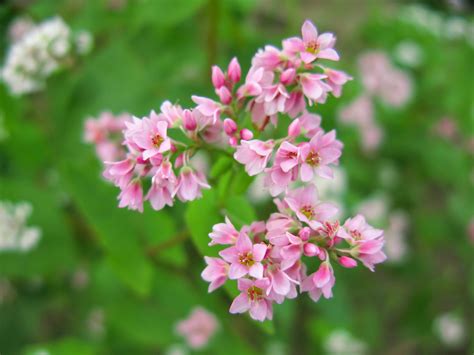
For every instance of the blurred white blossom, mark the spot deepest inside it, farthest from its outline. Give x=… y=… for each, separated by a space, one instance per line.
x=409 y=53
x=14 y=234
x=341 y=342
x=39 y=52
x=450 y=329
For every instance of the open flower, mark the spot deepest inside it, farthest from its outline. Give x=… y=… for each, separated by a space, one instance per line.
x=253 y=299
x=317 y=46
x=254 y=154
x=215 y=272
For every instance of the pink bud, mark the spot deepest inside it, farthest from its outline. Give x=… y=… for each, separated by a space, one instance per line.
x=189 y=121
x=294 y=129
x=246 y=134
x=224 y=94
x=288 y=76
x=179 y=161
x=230 y=127
x=233 y=141
x=218 y=78
x=304 y=233
x=347 y=262
x=234 y=71
x=310 y=249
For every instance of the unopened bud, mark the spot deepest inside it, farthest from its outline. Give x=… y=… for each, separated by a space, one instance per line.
x=233 y=71
x=230 y=127
x=189 y=121
x=288 y=76
x=294 y=129
x=310 y=249
x=218 y=78
x=246 y=134
x=347 y=262
x=224 y=95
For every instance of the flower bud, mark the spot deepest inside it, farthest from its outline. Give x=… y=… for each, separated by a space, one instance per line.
x=233 y=141
x=288 y=76
x=310 y=249
x=224 y=95
x=304 y=233
x=234 y=71
x=347 y=262
x=294 y=129
x=246 y=134
x=230 y=127
x=189 y=121
x=218 y=78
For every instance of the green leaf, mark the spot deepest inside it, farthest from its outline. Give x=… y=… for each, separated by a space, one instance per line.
x=70 y=346
x=240 y=211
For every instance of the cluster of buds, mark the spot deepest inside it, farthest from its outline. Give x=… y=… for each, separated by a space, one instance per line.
x=270 y=259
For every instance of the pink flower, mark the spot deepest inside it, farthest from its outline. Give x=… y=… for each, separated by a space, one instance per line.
x=320 y=283
x=322 y=150
x=287 y=156
x=208 y=107
x=198 y=328
x=223 y=233
x=367 y=242
x=310 y=123
x=234 y=71
x=314 y=88
x=245 y=258
x=190 y=183
x=132 y=196
x=254 y=154
x=336 y=79
x=151 y=137
x=253 y=299
x=215 y=272
x=317 y=46
x=218 y=77
x=304 y=203
x=162 y=188
x=120 y=172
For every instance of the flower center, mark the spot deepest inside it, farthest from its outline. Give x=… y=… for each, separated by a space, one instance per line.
x=291 y=155
x=308 y=211
x=312 y=47
x=246 y=259
x=313 y=158
x=157 y=140
x=255 y=293
x=331 y=229
x=356 y=234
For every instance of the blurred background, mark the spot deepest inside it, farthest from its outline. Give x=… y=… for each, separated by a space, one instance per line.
x=89 y=278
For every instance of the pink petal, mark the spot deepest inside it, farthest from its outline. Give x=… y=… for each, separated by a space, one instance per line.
x=256 y=270
x=240 y=304
x=237 y=270
x=309 y=32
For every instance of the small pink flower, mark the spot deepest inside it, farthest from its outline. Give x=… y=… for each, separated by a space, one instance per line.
x=215 y=272
x=152 y=138
x=317 y=46
x=304 y=203
x=253 y=299
x=223 y=233
x=198 y=328
x=367 y=242
x=310 y=124
x=120 y=172
x=320 y=283
x=287 y=156
x=190 y=183
x=322 y=150
x=208 y=107
x=314 y=88
x=132 y=196
x=234 y=71
x=162 y=188
x=336 y=79
x=254 y=154
x=245 y=258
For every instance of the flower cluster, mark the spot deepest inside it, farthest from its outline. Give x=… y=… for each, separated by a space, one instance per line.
x=105 y=134
x=14 y=234
x=38 y=51
x=294 y=249
x=198 y=328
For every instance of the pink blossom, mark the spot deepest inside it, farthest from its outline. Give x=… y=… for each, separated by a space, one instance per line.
x=314 y=88
x=234 y=71
x=304 y=203
x=310 y=124
x=254 y=154
x=132 y=196
x=367 y=242
x=336 y=79
x=207 y=107
x=162 y=188
x=198 y=328
x=223 y=233
x=218 y=77
x=151 y=137
x=245 y=258
x=253 y=299
x=320 y=283
x=287 y=156
x=190 y=183
x=215 y=272
x=322 y=150
x=317 y=46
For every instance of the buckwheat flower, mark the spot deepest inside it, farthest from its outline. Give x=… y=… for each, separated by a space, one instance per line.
x=161 y=192
x=317 y=46
x=198 y=328
x=14 y=233
x=253 y=299
x=287 y=156
x=223 y=233
x=254 y=154
x=336 y=79
x=245 y=258
x=322 y=150
x=152 y=138
x=310 y=124
x=208 y=107
x=19 y=27
x=216 y=272
x=450 y=329
x=131 y=196
x=367 y=242
x=273 y=98
x=304 y=203
x=313 y=86
x=190 y=183
x=320 y=283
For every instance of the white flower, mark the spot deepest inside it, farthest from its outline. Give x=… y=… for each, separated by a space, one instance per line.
x=409 y=53
x=450 y=329
x=341 y=342
x=396 y=246
x=14 y=234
